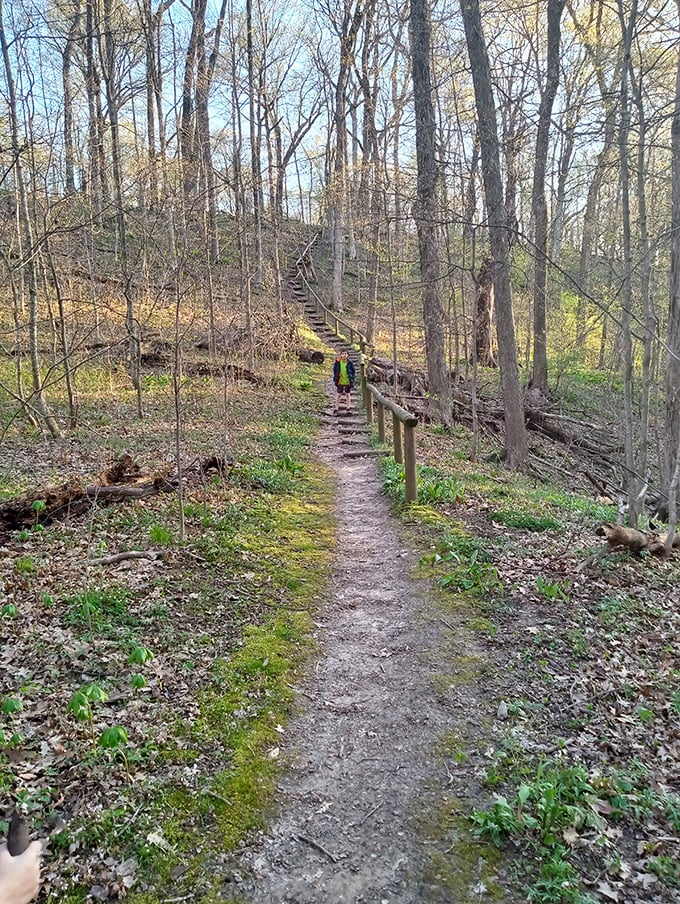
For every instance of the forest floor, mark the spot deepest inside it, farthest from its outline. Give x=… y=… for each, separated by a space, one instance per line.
x=425 y=702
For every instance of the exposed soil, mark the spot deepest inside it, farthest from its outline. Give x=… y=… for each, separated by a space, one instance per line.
x=362 y=753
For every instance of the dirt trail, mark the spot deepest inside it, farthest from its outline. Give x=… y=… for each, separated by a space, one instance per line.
x=361 y=751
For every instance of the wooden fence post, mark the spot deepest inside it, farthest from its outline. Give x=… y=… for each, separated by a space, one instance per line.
x=369 y=407
x=381 y=422
x=396 y=434
x=364 y=385
x=410 y=463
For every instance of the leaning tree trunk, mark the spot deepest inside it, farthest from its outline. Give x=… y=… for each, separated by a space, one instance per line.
x=515 y=452
x=427 y=214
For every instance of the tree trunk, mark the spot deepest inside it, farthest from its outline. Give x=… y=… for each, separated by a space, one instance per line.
x=347 y=34
x=66 y=61
x=112 y=101
x=515 y=451
x=94 y=136
x=29 y=262
x=672 y=379
x=630 y=480
x=256 y=176
x=427 y=214
x=539 y=207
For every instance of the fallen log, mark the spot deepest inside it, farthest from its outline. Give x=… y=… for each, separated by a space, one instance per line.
x=540 y=421
x=310 y=356
x=380 y=370
x=620 y=537
x=235 y=371
x=123 y=480
x=125 y=556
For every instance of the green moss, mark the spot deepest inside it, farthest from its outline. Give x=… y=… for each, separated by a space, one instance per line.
x=457 y=861
x=482 y=626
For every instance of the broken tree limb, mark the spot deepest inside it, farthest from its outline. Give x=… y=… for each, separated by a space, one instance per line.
x=620 y=537
x=310 y=356
x=49 y=504
x=132 y=554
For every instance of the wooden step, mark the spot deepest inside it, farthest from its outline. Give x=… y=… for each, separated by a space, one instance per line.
x=363 y=453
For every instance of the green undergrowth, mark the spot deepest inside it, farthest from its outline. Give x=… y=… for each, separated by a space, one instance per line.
x=171 y=686
x=243 y=710
x=551 y=804
x=542 y=813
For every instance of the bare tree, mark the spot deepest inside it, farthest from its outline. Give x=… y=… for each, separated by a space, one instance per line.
x=28 y=247
x=539 y=206
x=427 y=214
x=671 y=450
x=515 y=451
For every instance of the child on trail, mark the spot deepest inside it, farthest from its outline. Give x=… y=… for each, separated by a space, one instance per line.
x=343 y=377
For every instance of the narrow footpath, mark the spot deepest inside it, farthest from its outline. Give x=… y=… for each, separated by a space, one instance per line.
x=360 y=756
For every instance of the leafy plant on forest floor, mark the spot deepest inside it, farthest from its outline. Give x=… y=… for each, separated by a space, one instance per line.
x=472 y=570
x=558 y=800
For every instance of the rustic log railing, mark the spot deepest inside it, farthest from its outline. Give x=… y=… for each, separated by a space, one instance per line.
x=404 y=445
x=404 y=439
x=339 y=326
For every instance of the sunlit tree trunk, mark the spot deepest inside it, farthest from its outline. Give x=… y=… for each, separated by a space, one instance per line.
x=630 y=480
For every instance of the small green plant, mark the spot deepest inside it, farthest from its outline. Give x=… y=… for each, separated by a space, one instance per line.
x=498 y=822
x=113 y=737
x=138 y=681
x=472 y=576
x=558 y=882
x=578 y=643
x=394 y=479
x=555 y=799
x=162 y=535
x=140 y=655
x=612 y=609
x=82 y=701
x=99 y=609
x=9 y=610
x=11 y=706
x=25 y=565
x=667 y=869
x=553 y=591
x=13 y=740
x=445 y=489
x=38 y=506
x=525 y=520
x=263 y=475
x=645 y=715
x=287 y=463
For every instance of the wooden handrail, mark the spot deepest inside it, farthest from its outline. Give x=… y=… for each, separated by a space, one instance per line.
x=406 y=417
x=404 y=447
x=330 y=317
